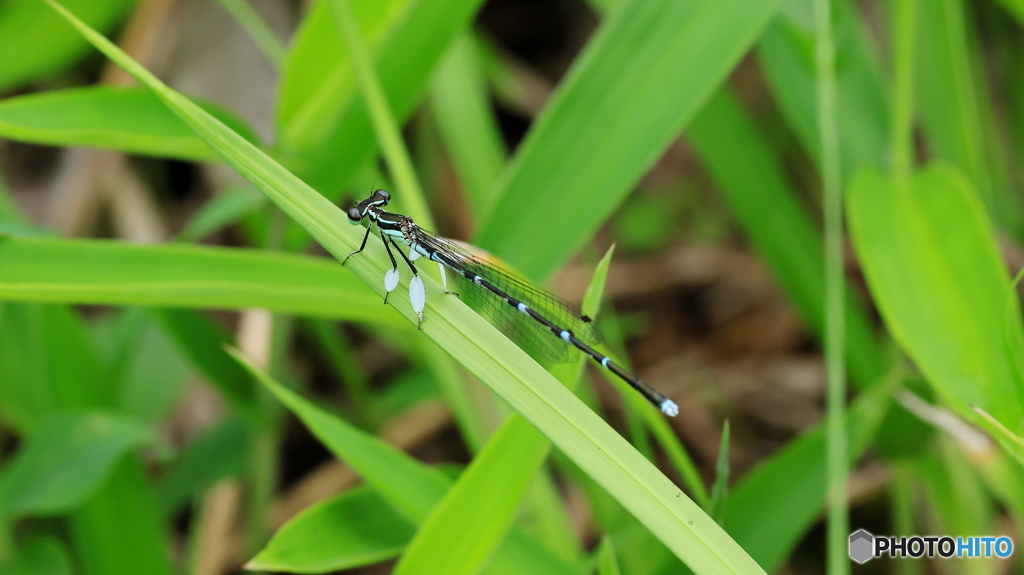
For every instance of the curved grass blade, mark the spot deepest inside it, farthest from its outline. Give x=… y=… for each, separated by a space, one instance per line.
x=130 y=120
x=649 y=68
x=117 y=273
x=505 y=368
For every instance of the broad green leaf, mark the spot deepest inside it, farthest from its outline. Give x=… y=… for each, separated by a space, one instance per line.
x=411 y=488
x=776 y=503
x=47 y=363
x=219 y=452
x=351 y=530
x=65 y=460
x=331 y=137
x=754 y=183
x=120 y=531
x=786 y=52
x=203 y=342
x=130 y=120
x=39 y=555
x=224 y=209
x=933 y=267
x=107 y=272
x=487 y=495
x=35 y=42
x=641 y=78
x=478 y=346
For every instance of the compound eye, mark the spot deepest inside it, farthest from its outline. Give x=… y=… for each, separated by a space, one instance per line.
x=354 y=216
x=384 y=195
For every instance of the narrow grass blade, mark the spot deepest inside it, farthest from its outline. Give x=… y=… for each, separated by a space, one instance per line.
x=787 y=55
x=831 y=170
x=934 y=269
x=130 y=120
x=646 y=72
x=105 y=272
x=951 y=106
x=607 y=563
x=389 y=137
x=459 y=100
x=333 y=136
x=720 y=490
x=226 y=208
x=480 y=348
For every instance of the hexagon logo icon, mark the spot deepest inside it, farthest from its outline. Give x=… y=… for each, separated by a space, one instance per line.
x=861 y=546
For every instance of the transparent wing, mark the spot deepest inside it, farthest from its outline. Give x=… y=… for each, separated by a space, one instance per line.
x=530 y=334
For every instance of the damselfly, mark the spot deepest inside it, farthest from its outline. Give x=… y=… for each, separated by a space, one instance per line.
x=548 y=325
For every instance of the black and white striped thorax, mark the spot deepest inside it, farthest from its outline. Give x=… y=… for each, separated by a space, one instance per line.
x=542 y=323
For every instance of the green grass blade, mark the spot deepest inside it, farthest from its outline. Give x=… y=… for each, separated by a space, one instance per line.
x=354 y=529
x=226 y=208
x=459 y=100
x=786 y=51
x=835 y=282
x=644 y=74
x=607 y=563
x=317 y=77
x=334 y=136
x=478 y=346
x=934 y=269
x=384 y=125
x=720 y=490
x=130 y=120
x=951 y=107
x=36 y=42
x=410 y=487
x=261 y=34
x=105 y=272
x=754 y=183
